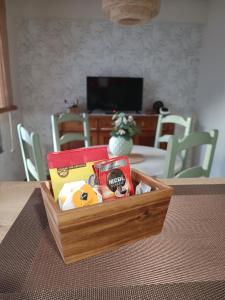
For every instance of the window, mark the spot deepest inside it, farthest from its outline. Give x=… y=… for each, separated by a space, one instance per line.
x=5 y=84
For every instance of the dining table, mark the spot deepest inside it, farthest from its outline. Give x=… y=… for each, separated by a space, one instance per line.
x=185 y=261
x=151 y=160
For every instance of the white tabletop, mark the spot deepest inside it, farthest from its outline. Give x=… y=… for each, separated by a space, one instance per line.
x=153 y=160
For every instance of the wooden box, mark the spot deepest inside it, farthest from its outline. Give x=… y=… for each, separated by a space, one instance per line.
x=87 y=231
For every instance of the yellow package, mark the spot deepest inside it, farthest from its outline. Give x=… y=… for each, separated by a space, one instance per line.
x=74 y=165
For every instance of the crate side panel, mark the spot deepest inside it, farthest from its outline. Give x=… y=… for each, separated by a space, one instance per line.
x=109 y=233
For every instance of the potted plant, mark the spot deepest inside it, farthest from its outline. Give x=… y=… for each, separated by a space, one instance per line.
x=124 y=128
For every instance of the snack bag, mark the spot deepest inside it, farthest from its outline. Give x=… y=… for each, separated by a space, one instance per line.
x=114 y=177
x=74 y=165
x=78 y=194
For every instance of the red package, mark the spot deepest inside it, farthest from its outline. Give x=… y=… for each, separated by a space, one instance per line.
x=114 y=177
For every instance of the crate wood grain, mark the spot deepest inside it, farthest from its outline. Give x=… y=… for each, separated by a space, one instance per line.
x=83 y=232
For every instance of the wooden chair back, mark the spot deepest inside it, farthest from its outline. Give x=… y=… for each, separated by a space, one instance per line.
x=59 y=140
x=175 y=146
x=186 y=124
x=31 y=154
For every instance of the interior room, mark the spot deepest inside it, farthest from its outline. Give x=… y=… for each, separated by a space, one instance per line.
x=54 y=46
x=134 y=87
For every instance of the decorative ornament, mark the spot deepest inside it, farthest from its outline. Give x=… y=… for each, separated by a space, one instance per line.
x=131 y=12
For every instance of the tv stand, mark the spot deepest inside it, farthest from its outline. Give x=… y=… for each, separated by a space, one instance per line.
x=133 y=112
x=101 y=127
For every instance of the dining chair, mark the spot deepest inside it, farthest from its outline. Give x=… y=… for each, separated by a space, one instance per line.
x=31 y=154
x=180 y=123
x=175 y=146
x=58 y=140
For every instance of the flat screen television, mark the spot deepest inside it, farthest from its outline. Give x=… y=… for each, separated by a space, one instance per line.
x=111 y=94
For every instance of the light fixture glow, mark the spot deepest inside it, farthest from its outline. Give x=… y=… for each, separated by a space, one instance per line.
x=131 y=12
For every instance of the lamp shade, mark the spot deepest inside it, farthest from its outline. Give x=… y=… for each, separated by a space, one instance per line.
x=131 y=12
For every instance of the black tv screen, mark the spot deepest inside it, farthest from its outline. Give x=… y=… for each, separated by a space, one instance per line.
x=112 y=94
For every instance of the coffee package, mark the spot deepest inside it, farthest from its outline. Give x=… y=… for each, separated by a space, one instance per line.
x=114 y=178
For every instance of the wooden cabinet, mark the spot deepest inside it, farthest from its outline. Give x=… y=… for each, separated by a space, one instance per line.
x=101 y=126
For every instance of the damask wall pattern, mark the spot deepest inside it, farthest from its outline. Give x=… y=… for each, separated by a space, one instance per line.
x=54 y=57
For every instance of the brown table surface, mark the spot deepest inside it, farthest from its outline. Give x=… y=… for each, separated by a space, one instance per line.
x=186 y=261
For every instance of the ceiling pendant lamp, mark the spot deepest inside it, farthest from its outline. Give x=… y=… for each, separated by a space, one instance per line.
x=131 y=12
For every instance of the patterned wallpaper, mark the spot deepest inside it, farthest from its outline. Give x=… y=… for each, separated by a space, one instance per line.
x=54 y=56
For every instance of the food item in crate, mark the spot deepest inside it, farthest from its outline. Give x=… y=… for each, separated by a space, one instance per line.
x=142 y=188
x=114 y=177
x=74 y=165
x=78 y=194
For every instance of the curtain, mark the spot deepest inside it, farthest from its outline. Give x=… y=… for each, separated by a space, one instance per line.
x=5 y=84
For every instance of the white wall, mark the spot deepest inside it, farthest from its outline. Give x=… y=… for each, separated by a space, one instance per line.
x=11 y=167
x=211 y=94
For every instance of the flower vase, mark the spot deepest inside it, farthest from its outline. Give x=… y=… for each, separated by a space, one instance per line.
x=120 y=146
